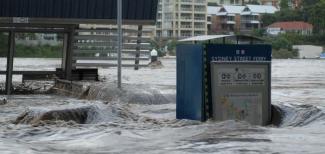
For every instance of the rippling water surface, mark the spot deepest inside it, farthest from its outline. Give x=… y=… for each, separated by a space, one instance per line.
x=141 y=118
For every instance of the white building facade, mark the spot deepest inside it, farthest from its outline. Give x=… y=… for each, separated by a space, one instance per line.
x=181 y=18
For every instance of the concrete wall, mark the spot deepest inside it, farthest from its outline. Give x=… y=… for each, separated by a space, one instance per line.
x=308 y=51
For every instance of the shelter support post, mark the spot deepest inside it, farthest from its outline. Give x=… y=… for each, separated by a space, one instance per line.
x=10 y=61
x=65 y=50
x=68 y=53
x=138 y=48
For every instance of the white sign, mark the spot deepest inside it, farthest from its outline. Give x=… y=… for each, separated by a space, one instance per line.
x=241 y=76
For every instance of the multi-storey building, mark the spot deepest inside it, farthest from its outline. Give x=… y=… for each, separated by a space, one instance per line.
x=251 y=16
x=228 y=2
x=227 y=19
x=181 y=18
x=274 y=3
x=237 y=19
x=212 y=10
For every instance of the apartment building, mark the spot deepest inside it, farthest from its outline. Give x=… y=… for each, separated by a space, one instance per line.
x=227 y=19
x=181 y=18
x=274 y=3
x=237 y=19
x=212 y=10
x=229 y=2
x=251 y=16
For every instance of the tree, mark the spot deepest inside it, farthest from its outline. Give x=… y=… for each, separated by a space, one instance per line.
x=316 y=16
x=268 y=19
x=284 y=5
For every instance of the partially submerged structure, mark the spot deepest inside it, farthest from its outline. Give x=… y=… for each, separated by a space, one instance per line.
x=65 y=16
x=222 y=81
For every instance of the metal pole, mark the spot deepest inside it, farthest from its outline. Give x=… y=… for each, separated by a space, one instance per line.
x=10 y=61
x=138 y=48
x=119 y=43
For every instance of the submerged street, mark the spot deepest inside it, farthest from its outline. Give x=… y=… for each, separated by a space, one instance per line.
x=141 y=118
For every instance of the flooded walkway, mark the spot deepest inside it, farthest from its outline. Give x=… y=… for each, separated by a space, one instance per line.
x=141 y=118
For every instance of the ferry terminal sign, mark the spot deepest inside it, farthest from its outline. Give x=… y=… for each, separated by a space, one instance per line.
x=239 y=82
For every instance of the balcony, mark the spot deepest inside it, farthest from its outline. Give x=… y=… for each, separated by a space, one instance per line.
x=200 y=19
x=186 y=26
x=200 y=10
x=186 y=18
x=250 y=21
x=200 y=2
x=228 y=21
x=186 y=1
x=187 y=9
x=199 y=26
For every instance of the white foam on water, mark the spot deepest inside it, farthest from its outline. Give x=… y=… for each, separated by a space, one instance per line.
x=141 y=117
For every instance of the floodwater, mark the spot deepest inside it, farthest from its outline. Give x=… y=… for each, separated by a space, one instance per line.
x=141 y=118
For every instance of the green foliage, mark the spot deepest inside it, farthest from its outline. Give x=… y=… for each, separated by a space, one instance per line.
x=282 y=45
x=280 y=42
x=171 y=47
x=316 y=16
x=268 y=19
x=284 y=54
x=258 y=32
x=254 y=2
x=158 y=44
x=283 y=15
x=284 y=4
x=289 y=15
x=40 y=51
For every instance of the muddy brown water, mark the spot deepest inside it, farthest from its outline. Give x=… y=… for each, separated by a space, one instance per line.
x=141 y=118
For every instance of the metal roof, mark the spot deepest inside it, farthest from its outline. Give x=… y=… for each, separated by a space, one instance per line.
x=212 y=10
x=79 y=9
x=212 y=37
x=203 y=38
x=292 y=25
x=234 y=9
x=261 y=9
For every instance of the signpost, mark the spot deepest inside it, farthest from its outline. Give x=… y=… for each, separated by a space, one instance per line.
x=119 y=43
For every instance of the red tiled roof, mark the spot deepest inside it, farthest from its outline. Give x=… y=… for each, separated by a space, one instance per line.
x=291 y=25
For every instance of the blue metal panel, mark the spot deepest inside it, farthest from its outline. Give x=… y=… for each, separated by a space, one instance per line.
x=239 y=52
x=233 y=52
x=190 y=103
x=79 y=9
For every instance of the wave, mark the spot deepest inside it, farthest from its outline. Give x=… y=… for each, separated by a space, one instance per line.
x=295 y=115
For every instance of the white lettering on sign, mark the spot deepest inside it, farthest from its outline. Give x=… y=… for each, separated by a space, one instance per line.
x=241 y=76
x=237 y=58
x=20 y=20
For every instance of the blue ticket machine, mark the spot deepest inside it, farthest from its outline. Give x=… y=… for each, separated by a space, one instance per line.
x=204 y=93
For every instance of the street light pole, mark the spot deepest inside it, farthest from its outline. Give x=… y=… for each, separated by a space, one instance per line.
x=119 y=43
